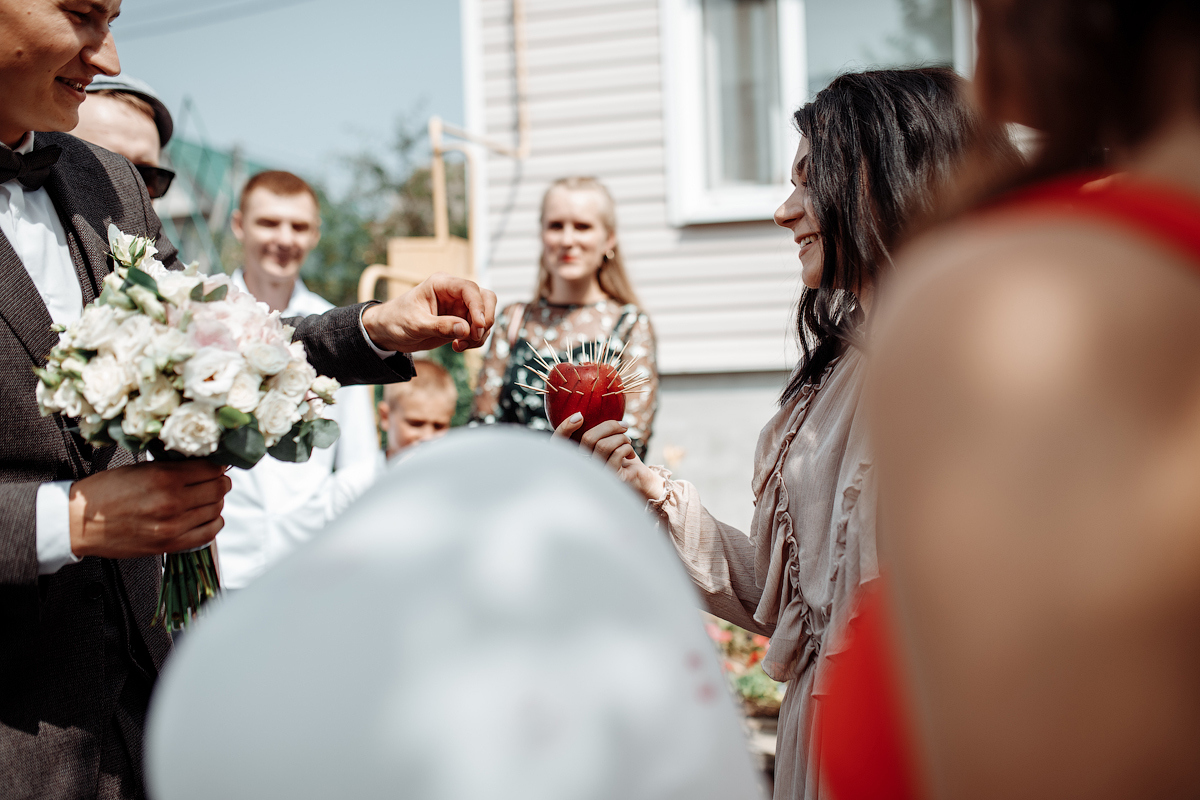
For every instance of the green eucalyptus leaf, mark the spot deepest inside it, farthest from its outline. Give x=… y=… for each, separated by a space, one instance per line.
x=51 y=378
x=295 y=446
x=324 y=432
x=243 y=448
x=197 y=293
x=216 y=294
x=118 y=435
x=230 y=418
x=136 y=276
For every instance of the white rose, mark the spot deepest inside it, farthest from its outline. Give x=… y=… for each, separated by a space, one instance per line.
x=276 y=415
x=64 y=399
x=113 y=281
x=73 y=365
x=123 y=245
x=297 y=351
x=137 y=418
x=106 y=385
x=152 y=266
x=208 y=376
x=132 y=338
x=158 y=396
x=120 y=244
x=268 y=359
x=294 y=381
x=170 y=346
x=95 y=327
x=90 y=425
x=177 y=286
x=45 y=399
x=191 y=429
x=324 y=387
x=148 y=302
x=313 y=409
x=246 y=391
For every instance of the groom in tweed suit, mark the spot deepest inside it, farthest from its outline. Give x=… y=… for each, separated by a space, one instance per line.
x=82 y=529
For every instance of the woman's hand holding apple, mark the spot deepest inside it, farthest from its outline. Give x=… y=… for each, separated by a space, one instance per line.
x=609 y=443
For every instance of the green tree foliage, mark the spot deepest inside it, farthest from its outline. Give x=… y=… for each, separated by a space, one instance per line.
x=390 y=195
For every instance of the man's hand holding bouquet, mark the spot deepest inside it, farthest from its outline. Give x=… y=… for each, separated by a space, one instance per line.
x=185 y=367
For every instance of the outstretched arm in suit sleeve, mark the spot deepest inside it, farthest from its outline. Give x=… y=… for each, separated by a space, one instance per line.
x=441 y=310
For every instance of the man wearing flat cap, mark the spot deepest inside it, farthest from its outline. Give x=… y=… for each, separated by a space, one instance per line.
x=83 y=529
x=124 y=115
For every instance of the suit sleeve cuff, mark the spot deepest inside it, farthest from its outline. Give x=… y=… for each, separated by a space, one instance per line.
x=54 y=527
x=363 y=328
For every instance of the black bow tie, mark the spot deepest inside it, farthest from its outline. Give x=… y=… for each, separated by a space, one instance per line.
x=31 y=169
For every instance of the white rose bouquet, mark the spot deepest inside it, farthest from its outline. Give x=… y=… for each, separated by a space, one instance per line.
x=184 y=365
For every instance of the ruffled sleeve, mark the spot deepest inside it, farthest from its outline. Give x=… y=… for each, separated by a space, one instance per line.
x=812 y=460
x=718 y=558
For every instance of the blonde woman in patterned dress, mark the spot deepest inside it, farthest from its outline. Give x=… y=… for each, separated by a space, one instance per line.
x=583 y=295
x=873 y=148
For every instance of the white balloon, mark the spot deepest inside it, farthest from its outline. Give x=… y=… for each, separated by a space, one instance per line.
x=497 y=618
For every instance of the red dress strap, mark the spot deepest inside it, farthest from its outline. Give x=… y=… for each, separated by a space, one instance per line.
x=1170 y=215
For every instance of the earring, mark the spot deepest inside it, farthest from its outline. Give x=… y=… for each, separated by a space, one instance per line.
x=611 y=255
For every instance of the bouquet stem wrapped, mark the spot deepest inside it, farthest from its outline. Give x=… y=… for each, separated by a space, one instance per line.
x=184 y=365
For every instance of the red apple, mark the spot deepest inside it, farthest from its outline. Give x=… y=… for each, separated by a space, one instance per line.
x=595 y=390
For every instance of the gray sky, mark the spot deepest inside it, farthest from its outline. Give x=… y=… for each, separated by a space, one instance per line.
x=297 y=82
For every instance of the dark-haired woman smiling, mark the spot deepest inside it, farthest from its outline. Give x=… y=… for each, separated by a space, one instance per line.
x=874 y=148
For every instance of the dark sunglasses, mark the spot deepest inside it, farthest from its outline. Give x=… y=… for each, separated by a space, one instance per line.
x=157 y=179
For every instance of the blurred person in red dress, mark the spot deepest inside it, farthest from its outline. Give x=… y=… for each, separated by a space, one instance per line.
x=1037 y=422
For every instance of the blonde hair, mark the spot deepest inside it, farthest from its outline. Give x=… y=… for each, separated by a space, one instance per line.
x=430 y=379
x=611 y=276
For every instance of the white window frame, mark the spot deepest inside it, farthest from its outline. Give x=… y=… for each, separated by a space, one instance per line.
x=690 y=201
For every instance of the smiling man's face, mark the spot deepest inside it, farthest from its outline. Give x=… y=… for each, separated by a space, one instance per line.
x=49 y=51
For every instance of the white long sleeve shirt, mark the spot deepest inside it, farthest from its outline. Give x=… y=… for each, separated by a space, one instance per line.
x=278 y=505
x=30 y=222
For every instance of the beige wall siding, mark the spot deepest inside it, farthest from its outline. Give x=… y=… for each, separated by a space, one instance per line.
x=721 y=296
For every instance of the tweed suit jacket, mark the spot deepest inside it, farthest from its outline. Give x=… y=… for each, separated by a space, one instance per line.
x=59 y=679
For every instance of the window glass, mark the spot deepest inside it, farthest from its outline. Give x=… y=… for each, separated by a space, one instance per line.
x=846 y=35
x=742 y=98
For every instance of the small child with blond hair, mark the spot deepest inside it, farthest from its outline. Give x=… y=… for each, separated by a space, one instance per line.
x=418 y=410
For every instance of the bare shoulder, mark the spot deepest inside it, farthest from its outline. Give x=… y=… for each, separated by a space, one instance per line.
x=1020 y=305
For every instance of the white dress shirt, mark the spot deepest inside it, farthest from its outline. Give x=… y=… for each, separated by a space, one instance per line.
x=277 y=505
x=31 y=225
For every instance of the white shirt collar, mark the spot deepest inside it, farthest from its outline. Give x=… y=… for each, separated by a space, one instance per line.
x=24 y=147
x=302 y=302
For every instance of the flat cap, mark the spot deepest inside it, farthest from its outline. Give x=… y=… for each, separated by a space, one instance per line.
x=133 y=86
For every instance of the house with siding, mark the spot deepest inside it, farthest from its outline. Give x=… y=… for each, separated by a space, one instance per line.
x=683 y=109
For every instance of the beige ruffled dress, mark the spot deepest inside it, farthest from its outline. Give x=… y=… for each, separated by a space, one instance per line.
x=811 y=544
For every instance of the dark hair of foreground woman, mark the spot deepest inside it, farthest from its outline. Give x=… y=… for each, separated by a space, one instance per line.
x=883 y=145
x=1094 y=77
